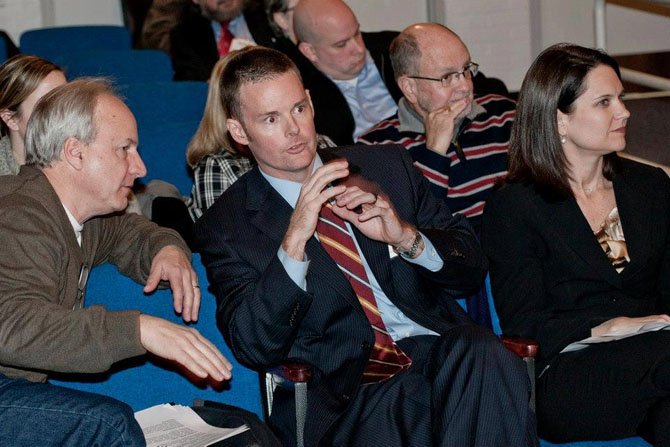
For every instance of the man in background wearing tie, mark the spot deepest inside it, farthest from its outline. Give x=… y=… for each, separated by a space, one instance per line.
x=208 y=29
x=351 y=265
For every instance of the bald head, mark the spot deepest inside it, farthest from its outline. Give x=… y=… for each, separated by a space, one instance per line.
x=330 y=37
x=419 y=42
x=314 y=19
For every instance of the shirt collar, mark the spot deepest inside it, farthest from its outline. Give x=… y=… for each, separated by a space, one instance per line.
x=410 y=121
x=76 y=226
x=288 y=189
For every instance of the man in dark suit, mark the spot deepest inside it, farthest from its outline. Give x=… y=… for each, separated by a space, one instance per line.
x=351 y=265
x=195 y=42
x=348 y=73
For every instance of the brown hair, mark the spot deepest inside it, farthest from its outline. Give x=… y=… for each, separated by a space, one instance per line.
x=19 y=77
x=553 y=82
x=250 y=64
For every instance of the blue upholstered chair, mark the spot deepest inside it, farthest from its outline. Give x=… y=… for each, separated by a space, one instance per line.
x=53 y=42
x=163 y=149
x=123 y=66
x=155 y=103
x=3 y=51
x=146 y=381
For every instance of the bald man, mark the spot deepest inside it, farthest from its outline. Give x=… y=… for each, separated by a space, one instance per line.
x=348 y=73
x=457 y=140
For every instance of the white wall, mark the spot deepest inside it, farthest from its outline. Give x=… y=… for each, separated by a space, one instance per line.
x=628 y=30
x=504 y=36
x=17 y=16
x=81 y=12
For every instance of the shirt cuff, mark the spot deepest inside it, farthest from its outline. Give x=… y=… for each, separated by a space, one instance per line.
x=296 y=270
x=429 y=258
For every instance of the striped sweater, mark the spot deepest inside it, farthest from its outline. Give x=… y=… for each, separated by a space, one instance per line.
x=463 y=182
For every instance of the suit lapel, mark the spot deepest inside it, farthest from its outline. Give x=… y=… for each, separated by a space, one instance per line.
x=271 y=214
x=636 y=229
x=574 y=231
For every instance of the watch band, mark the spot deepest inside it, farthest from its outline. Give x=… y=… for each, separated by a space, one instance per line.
x=411 y=253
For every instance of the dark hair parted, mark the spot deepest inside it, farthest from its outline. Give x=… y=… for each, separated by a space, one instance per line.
x=250 y=65
x=553 y=82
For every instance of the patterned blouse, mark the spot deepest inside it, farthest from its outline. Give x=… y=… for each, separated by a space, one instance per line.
x=612 y=240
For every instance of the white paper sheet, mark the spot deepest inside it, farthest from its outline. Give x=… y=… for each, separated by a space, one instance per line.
x=178 y=426
x=647 y=327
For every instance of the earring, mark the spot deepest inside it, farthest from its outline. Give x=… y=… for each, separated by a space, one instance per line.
x=563 y=139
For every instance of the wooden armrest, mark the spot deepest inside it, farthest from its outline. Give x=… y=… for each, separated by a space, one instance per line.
x=293 y=372
x=523 y=347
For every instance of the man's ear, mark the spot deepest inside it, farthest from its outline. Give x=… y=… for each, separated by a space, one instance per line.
x=9 y=118
x=237 y=131
x=73 y=153
x=408 y=87
x=307 y=50
x=281 y=21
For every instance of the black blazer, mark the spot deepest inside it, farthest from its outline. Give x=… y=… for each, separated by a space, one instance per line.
x=551 y=279
x=267 y=319
x=193 y=48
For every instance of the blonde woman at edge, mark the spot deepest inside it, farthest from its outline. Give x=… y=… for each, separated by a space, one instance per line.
x=216 y=160
x=24 y=79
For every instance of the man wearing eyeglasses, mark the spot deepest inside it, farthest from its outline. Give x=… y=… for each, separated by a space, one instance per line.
x=457 y=140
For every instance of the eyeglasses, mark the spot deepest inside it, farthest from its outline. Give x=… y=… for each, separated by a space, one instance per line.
x=449 y=79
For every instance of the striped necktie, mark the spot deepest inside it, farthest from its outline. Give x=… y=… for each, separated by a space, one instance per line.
x=386 y=358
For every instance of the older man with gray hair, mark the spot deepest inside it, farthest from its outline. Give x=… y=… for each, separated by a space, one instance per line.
x=58 y=219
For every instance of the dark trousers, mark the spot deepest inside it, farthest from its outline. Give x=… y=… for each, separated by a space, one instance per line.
x=608 y=391
x=463 y=389
x=226 y=416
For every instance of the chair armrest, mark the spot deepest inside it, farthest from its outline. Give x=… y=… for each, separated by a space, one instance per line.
x=522 y=347
x=293 y=372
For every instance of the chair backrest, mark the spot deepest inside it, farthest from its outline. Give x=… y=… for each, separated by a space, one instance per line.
x=144 y=382
x=155 y=103
x=3 y=52
x=123 y=66
x=163 y=149
x=53 y=42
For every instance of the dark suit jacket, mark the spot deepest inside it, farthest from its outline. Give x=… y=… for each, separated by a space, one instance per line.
x=332 y=114
x=266 y=318
x=551 y=279
x=193 y=48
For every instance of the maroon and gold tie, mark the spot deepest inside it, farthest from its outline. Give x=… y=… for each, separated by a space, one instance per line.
x=225 y=40
x=386 y=358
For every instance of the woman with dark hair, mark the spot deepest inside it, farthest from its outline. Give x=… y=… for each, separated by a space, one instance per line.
x=579 y=244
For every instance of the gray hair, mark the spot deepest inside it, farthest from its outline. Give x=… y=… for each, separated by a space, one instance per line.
x=65 y=112
x=405 y=54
